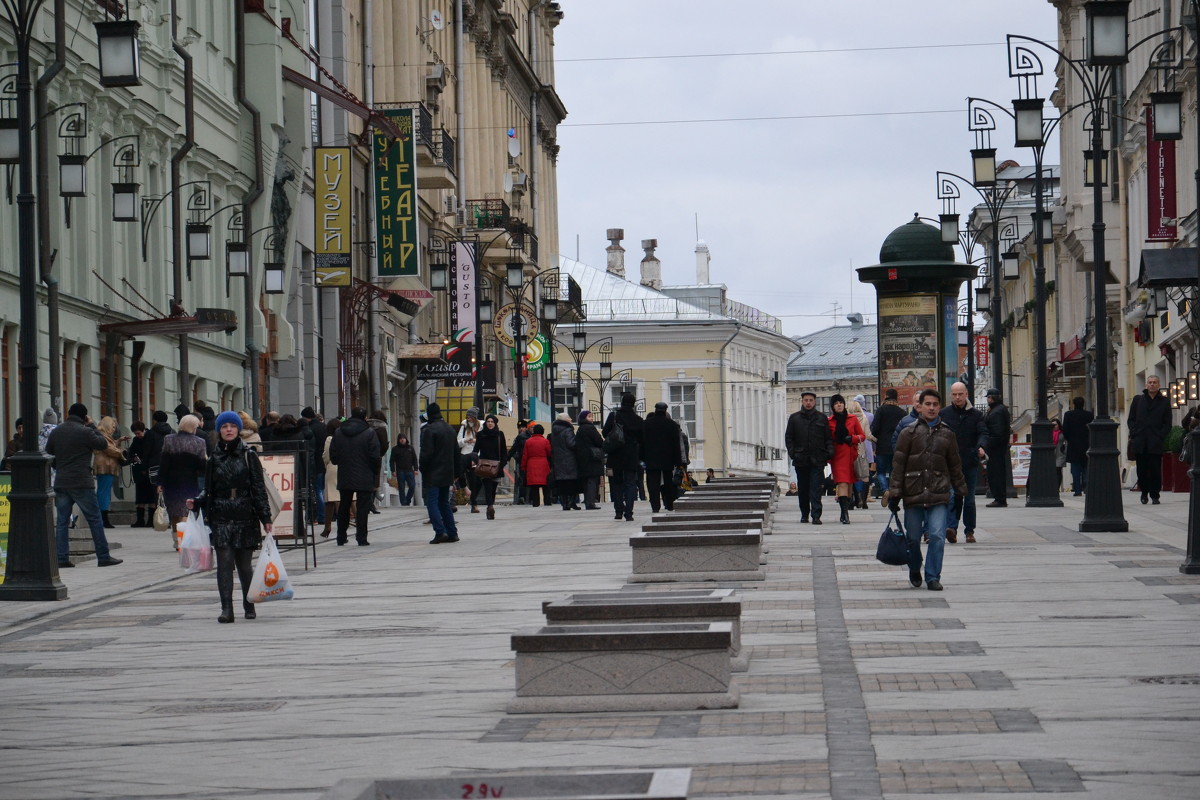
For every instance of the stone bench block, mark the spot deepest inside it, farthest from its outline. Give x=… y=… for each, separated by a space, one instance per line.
x=733 y=555
x=628 y=667
x=681 y=605
x=657 y=784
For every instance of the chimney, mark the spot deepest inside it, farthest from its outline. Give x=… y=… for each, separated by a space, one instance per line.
x=651 y=266
x=703 y=259
x=856 y=319
x=616 y=253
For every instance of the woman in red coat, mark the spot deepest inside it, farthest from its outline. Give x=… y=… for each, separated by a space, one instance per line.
x=847 y=434
x=535 y=465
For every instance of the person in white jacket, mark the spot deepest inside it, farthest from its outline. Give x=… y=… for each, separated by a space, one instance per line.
x=466 y=445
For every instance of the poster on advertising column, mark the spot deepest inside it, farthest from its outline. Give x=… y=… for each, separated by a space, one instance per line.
x=908 y=345
x=395 y=174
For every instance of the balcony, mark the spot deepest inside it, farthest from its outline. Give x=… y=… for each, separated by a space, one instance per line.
x=437 y=151
x=488 y=214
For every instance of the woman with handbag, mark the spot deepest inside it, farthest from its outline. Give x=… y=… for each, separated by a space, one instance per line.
x=589 y=458
x=467 y=432
x=236 y=510
x=106 y=464
x=847 y=435
x=332 y=496
x=490 y=450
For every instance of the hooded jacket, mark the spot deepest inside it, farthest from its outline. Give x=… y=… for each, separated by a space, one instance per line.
x=355 y=450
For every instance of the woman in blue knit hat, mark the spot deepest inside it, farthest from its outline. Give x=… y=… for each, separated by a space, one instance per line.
x=236 y=510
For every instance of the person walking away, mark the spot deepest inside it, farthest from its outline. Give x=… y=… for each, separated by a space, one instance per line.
x=925 y=468
x=882 y=427
x=866 y=450
x=490 y=444
x=403 y=463
x=999 y=429
x=143 y=489
x=467 y=431
x=589 y=459
x=106 y=464
x=623 y=446
x=378 y=423
x=438 y=461
x=1149 y=423
x=355 y=450
x=236 y=510
x=562 y=462
x=181 y=467
x=1075 y=430
x=320 y=432
x=332 y=497
x=847 y=434
x=514 y=455
x=809 y=442
x=661 y=454
x=966 y=422
x=73 y=445
x=535 y=464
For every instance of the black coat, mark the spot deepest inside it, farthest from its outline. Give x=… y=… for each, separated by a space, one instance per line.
x=808 y=440
x=319 y=433
x=660 y=442
x=562 y=451
x=72 y=444
x=1075 y=430
x=355 y=450
x=884 y=425
x=491 y=444
x=1149 y=423
x=999 y=428
x=154 y=443
x=234 y=501
x=970 y=430
x=518 y=445
x=629 y=456
x=589 y=453
x=403 y=458
x=439 y=453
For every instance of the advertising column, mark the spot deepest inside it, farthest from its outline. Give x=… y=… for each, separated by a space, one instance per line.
x=908 y=345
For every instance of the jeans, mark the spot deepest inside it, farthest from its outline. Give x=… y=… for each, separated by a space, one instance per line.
x=441 y=513
x=407 y=483
x=920 y=520
x=86 y=500
x=1078 y=476
x=104 y=484
x=660 y=485
x=625 y=492
x=810 y=482
x=362 y=500
x=883 y=470
x=971 y=476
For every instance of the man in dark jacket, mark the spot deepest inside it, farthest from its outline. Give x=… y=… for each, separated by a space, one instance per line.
x=438 y=461
x=317 y=461
x=1149 y=423
x=623 y=444
x=967 y=423
x=810 y=447
x=999 y=431
x=403 y=462
x=1075 y=430
x=926 y=471
x=662 y=454
x=355 y=450
x=887 y=417
x=72 y=444
x=514 y=453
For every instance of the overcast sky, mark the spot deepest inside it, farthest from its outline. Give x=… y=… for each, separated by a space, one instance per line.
x=817 y=155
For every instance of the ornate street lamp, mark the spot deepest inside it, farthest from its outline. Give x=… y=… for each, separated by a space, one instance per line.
x=120 y=56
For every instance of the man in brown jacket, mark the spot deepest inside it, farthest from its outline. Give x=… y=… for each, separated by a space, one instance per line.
x=925 y=466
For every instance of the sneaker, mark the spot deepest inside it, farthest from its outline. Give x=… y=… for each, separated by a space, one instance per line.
x=970 y=537
x=952 y=535
x=914 y=578
x=935 y=586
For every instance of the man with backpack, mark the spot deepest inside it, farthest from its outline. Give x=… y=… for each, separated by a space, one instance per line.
x=623 y=446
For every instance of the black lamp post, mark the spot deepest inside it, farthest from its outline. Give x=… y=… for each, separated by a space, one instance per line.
x=32 y=569
x=578 y=350
x=966 y=239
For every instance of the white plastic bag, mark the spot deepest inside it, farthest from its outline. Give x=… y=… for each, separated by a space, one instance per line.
x=270 y=581
x=195 y=548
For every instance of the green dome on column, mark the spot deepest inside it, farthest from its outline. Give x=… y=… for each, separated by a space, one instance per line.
x=915 y=241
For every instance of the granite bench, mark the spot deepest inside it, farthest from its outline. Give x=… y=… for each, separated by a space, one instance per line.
x=722 y=555
x=629 y=667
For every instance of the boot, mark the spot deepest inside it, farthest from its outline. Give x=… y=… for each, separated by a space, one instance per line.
x=140 y=520
x=844 y=504
x=104 y=517
x=491 y=512
x=226 y=613
x=330 y=516
x=249 y=609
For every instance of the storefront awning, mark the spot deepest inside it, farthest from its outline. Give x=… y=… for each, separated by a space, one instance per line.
x=205 y=320
x=1175 y=267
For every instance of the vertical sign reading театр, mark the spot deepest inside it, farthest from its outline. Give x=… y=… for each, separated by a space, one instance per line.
x=395 y=170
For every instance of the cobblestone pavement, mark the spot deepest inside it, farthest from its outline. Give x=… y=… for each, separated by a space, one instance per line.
x=1053 y=662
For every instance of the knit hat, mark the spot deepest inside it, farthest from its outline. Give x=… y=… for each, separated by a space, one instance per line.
x=229 y=418
x=308 y=413
x=50 y=417
x=473 y=411
x=837 y=398
x=583 y=416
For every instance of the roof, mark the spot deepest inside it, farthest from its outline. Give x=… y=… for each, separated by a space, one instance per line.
x=609 y=298
x=1174 y=267
x=840 y=350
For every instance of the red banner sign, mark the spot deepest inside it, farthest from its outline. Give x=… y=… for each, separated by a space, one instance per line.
x=982 y=351
x=1160 y=186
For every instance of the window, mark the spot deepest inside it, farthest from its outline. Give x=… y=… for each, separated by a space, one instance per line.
x=682 y=402
x=616 y=390
x=566 y=400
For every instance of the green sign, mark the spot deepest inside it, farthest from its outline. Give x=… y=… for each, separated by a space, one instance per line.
x=537 y=353
x=395 y=167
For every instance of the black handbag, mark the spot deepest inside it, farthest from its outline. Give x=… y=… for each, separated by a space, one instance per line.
x=893 y=544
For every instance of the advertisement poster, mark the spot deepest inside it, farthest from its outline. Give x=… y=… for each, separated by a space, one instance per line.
x=5 y=518
x=908 y=345
x=1020 y=455
x=1160 y=186
x=281 y=468
x=395 y=162
x=332 y=177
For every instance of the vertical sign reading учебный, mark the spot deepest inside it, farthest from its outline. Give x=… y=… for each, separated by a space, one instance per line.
x=395 y=168
x=331 y=167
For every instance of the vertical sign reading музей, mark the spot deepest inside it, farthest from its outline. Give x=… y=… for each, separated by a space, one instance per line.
x=331 y=168
x=395 y=167
x=908 y=344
